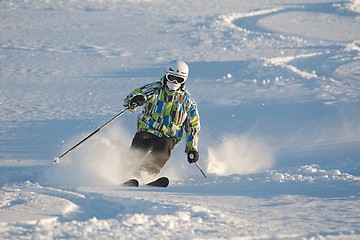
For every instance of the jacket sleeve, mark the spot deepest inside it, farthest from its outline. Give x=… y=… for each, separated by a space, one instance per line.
x=192 y=128
x=146 y=91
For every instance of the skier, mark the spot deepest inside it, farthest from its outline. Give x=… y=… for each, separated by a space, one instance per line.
x=168 y=110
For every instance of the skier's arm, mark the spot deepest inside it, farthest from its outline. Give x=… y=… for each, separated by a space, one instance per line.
x=192 y=129
x=146 y=91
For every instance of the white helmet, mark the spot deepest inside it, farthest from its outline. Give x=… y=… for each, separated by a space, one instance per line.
x=177 y=68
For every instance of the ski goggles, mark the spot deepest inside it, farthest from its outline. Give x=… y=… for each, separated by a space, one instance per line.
x=175 y=79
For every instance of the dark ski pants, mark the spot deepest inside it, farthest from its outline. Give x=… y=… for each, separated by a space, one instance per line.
x=156 y=151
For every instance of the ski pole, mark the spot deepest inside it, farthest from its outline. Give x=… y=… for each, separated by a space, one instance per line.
x=200 y=169
x=57 y=159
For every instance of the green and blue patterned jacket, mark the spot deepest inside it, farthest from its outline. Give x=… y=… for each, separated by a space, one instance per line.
x=168 y=113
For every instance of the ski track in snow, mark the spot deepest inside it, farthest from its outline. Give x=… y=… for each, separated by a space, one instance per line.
x=218 y=208
x=283 y=76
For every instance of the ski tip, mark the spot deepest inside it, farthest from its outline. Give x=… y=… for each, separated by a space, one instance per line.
x=131 y=183
x=167 y=182
x=160 y=182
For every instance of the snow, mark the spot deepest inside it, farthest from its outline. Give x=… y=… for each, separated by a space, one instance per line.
x=277 y=84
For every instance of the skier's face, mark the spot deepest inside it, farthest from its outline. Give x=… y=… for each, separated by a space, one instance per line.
x=173 y=86
x=174 y=82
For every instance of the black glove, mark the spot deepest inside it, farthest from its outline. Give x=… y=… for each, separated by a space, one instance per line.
x=137 y=101
x=193 y=156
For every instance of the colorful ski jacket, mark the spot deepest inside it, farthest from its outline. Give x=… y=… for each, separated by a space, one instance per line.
x=168 y=113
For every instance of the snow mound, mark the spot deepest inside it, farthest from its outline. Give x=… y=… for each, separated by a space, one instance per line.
x=26 y=203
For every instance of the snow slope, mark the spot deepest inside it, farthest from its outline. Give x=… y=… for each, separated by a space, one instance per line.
x=277 y=84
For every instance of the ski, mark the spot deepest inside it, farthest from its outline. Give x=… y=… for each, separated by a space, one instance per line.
x=131 y=183
x=160 y=182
